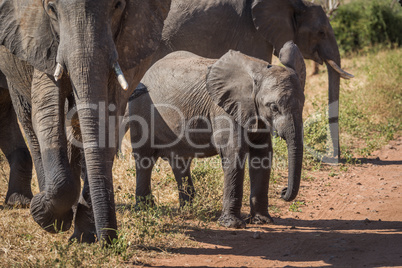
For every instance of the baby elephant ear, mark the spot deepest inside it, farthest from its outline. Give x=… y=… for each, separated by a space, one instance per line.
x=231 y=86
x=291 y=57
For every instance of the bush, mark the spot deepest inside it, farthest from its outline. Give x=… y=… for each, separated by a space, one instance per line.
x=361 y=24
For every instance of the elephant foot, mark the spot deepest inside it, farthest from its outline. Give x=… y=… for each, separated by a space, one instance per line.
x=260 y=218
x=231 y=221
x=18 y=200
x=44 y=214
x=84 y=227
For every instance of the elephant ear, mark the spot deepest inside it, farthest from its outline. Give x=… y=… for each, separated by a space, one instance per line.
x=276 y=21
x=141 y=30
x=231 y=83
x=25 y=31
x=291 y=57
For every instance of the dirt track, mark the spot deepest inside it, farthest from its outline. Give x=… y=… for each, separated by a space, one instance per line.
x=352 y=219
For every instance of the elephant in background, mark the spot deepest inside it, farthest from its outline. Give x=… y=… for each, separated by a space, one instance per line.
x=257 y=28
x=188 y=107
x=13 y=146
x=51 y=51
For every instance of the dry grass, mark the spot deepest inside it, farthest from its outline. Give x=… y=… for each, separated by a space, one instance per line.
x=371 y=112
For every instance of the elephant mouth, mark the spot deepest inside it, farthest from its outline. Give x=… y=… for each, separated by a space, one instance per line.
x=316 y=57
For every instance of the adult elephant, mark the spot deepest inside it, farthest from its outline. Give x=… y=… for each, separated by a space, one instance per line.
x=257 y=28
x=83 y=39
x=13 y=146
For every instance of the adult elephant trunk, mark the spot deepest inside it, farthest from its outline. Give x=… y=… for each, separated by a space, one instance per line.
x=294 y=139
x=333 y=62
x=333 y=106
x=90 y=62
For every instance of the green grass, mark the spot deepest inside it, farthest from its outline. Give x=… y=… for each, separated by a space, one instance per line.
x=296 y=206
x=370 y=116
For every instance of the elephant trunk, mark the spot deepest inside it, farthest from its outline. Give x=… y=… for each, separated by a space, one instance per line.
x=91 y=95
x=90 y=62
x=330 y=54
x=294 y=139
x=333 y=106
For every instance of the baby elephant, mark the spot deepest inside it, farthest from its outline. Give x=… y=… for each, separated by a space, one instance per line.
x=188 y=106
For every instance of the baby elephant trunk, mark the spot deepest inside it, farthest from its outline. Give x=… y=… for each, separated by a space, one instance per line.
x=294 y=140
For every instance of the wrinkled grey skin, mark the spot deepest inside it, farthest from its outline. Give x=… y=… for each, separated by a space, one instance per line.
x=255 y=28
x=210 y=105
x=13 y=146
x=86 y=38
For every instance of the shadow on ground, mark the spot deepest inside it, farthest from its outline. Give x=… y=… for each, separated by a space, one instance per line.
x=334 y=242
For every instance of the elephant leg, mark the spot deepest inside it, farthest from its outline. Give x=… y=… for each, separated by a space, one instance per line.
x=182 y=174
x=23 y=111
x=233 y=162
x=143 y=166
x=14 y=148
x=52 y=208
x=260 y=160
x=84 y=223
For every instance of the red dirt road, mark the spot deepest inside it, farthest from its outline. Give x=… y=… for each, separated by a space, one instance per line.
x=352 y=219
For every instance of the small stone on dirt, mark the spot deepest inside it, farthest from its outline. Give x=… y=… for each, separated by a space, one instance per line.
x=367 y=220
x=257 y=235
x=358 y=183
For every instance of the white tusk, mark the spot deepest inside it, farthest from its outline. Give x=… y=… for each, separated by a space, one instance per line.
x=343 y=74
x=120 y=76
x=58 y=73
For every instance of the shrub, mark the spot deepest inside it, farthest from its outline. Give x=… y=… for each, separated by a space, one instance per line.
x=361 y=24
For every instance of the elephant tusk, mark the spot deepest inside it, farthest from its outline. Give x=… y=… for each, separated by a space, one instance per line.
x=120 y=76
x=343 y=74
x=58 y=73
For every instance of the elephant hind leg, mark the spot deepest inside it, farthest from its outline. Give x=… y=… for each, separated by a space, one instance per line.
x=19 y=192
x=12 y=144
x=143 y=167
x=182 y=174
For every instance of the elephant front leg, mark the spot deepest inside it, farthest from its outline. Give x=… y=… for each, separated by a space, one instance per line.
x=84 y=227
x=233 y=168
x=260 y=160
x=52 y=208
x=23 y=111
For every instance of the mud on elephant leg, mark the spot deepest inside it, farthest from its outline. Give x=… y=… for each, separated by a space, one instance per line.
x=260 y=160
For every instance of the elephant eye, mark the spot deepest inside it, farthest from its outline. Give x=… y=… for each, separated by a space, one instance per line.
x=274 y=108
x=321 y=34
x=119 y=5
x=51 y=9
